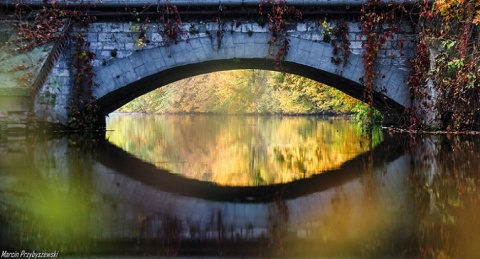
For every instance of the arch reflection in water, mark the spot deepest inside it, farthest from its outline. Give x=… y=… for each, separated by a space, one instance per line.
x=76 y=196
x=239 y=150
x=342 y=208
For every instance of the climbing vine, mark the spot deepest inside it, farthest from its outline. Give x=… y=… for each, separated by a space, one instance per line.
x=420 y=98
x=83 y=111
x=444 y=86
x=443 y=83
x=340 y=43
x=171 y=21
x=372 y=21
x=419 y=95
x=216 y=36
x=44 y=28
x=453 y=31
x=168 y=20
x=279 y=44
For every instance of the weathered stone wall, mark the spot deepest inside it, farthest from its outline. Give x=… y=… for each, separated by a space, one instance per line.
x=122 y=61
x=120 y=38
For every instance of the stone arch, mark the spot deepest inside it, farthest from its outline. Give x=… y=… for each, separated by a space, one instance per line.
x=121 y=79
x=124 y=79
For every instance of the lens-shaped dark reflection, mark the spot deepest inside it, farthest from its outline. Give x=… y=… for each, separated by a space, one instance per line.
x=239 y=150
x=413 y=196
x=123 y=162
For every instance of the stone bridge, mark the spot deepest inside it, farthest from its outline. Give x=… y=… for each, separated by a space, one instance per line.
x=133 y=56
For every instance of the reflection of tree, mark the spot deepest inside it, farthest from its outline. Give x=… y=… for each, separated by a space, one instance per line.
x=171 y=235
x=278 y=215
x=445 y=185
x=239 y=150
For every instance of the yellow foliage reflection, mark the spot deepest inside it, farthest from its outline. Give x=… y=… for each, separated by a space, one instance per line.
x=238 y=150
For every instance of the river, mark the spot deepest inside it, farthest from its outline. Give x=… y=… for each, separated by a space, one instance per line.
x=218 y=185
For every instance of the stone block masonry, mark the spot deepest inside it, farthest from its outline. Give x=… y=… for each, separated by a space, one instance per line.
x=126 y=67
x=133 y=56
x=112 y=41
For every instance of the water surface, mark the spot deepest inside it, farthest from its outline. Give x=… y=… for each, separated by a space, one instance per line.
x=238 y=150
x=240 y=186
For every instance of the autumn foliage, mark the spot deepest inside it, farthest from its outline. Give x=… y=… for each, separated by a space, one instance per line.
x=448 y=37
x=277 y=25
x=245 y=92
x=444 y=79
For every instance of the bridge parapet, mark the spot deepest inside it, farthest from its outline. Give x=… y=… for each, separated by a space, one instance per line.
x=117 y=3
x=119 y=40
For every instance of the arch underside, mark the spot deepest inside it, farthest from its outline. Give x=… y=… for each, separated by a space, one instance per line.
x=108 y=103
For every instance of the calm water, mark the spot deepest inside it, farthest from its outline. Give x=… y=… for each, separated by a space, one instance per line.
x=240 y=185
